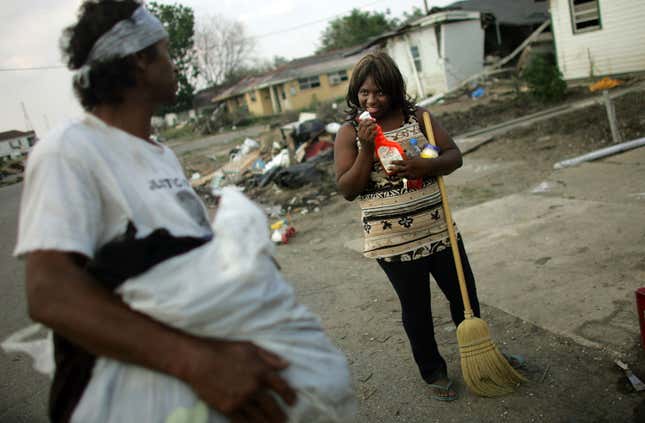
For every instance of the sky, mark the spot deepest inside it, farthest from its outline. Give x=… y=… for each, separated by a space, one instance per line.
x=31 y=29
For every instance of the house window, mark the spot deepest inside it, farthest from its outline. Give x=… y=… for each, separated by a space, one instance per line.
x=336 y=78
x=414 y=50
x=311 y=82
x=585 y=15
x=283 y=93
x=292 y=90
x=252 y=95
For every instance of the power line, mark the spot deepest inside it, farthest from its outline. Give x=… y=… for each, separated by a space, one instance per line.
x=33 y=68
x=293 y=28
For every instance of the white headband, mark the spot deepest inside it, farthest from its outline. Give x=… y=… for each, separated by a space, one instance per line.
x=126 y=37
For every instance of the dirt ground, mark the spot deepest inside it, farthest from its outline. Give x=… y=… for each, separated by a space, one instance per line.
x=566 y=381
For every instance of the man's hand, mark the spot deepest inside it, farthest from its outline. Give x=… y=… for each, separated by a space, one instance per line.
x=415 y=168
x=239 y=379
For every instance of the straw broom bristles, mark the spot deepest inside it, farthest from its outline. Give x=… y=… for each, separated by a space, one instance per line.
x=486 y=371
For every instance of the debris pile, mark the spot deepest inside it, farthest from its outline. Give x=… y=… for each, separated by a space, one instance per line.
x=288 y=169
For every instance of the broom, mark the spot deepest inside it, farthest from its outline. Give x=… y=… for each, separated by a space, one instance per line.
x=486 y=371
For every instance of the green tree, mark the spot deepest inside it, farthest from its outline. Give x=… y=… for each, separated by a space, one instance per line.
x=415 y=14
x=354 y=29
x=180 y=23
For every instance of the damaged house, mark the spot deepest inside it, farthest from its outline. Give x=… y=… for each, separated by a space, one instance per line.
x=15 y=144
x=430 y=50
x=296 y=85
x=595 y=38
x=437 y=52
x=506 y=23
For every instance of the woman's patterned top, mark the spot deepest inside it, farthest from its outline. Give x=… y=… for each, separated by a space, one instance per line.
x=402 y=224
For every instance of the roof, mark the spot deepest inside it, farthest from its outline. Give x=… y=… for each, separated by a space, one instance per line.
x=9 y=135
x=298 y=68
x=444 y=16
x=509 y=12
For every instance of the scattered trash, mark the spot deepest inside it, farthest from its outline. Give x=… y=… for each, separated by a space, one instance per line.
x=603 y=152
x=280 y=160
x=298 y=175
x=543 y=187
x=247 y=146
x=276 y=162
x=604 y=84
x=282 y=231
x=477 y=93
x=259 y=164
x=333 y=127
x=273 y=211
x=637 y=384
x=314 y=148
x=437 y=98
x=216 y=181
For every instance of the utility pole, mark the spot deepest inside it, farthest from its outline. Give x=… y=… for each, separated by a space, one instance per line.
x=425 y=6
x=611 y=116
x=28 y=124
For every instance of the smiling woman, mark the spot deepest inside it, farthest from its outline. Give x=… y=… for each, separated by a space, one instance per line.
x=403 y=223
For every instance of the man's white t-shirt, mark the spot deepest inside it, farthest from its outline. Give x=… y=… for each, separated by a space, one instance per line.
x=87 y=180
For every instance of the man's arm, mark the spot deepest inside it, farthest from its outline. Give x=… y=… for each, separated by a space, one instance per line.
x=232 y=377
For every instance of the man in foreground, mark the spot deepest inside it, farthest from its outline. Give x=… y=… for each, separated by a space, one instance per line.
x=94 y=184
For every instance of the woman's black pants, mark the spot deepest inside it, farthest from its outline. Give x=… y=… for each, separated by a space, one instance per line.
x=410 y=280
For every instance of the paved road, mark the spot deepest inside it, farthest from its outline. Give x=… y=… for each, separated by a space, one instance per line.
x=568 y=256
x=23 y=392
x=251 y=131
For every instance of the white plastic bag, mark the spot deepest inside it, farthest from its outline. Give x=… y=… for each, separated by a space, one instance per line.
x=228 y=288
x=280 y=159
x=41 y=349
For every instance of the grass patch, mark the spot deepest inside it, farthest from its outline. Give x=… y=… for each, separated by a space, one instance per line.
x=179 y=133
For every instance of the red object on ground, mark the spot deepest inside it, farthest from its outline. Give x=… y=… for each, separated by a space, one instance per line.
x=317 y=147
x=640 y=306
x=291 y=231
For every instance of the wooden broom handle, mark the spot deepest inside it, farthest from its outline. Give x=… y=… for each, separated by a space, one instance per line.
x=468 y=312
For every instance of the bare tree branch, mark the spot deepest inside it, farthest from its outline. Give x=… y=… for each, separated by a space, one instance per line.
x=223 y=48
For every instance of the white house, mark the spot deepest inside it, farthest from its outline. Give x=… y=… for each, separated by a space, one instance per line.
x=598 y=37
x=436 y=52
x=14 y=144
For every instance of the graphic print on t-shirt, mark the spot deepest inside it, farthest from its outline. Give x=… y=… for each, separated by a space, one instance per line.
x=167 y=183
x=193 y=206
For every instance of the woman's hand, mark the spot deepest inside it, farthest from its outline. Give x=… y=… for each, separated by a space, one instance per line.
x=415 y=168
x=366 y=133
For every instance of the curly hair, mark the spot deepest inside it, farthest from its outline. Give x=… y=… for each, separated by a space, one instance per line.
x=388 y=78
x=108 y=79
